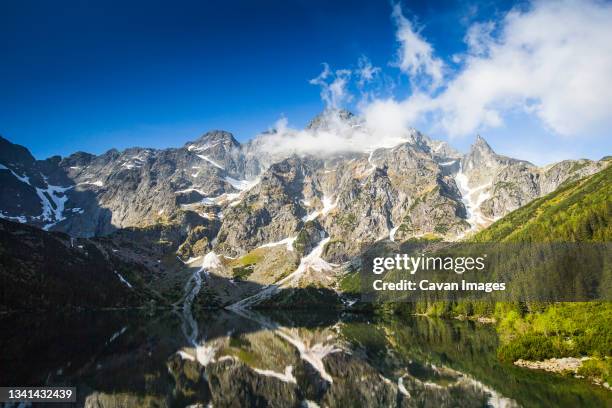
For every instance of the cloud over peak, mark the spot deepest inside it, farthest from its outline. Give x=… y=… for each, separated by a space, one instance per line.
x=548 y=63
x=551 y=60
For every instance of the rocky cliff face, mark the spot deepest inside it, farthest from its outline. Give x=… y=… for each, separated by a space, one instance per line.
x=215 y=195
x=86 y=195
x=492 y=185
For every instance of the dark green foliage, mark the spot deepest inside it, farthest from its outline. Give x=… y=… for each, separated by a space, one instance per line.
x=597 y=368
x=351 y=283
x=309 y=297
x=242 y=272
x=559 y=330
x=301 y=241
x=578 y=212
x=41 y=271
x=534 y=347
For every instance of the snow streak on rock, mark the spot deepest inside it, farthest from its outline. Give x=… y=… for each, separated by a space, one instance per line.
x=313 y=354
x=328 y=205
x=239 y=184
x=311 y=261
x=287 y=241
x=53 y=200
x=287 y=376
x=392 y=233
x=472 y=198
x=214 y=163
x=23 y=179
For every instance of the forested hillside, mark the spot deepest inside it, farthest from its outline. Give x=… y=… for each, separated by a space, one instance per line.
x=579 y=211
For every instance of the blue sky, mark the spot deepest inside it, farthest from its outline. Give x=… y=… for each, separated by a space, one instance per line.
x=95 y=75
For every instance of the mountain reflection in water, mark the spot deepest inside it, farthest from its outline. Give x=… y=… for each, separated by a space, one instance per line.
x=283 y=359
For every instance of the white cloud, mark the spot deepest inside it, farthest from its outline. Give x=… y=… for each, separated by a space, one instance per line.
x=366 y=71
x=415 y=55
x=393 y=116
x=552 y=60
x=337 y=135
x=479 y=37
x=333 y=86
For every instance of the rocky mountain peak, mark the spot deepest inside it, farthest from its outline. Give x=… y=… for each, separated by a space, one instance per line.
x=77 y=159
x=481 y=145
x=212 y=139
x=480 y=155
x=249 y=188
x=329 y=117
x=14 y=153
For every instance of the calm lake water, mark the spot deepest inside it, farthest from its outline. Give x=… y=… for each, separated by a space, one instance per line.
x=289 y=359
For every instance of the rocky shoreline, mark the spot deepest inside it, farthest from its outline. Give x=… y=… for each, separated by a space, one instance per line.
x=561 y=366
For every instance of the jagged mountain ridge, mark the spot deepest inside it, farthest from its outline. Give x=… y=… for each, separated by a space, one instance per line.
x=247 y=222
x=416 y=187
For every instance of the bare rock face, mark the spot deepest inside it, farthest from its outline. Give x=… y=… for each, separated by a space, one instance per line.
x=31 y=191
x=492 y=185
x=269 y=212
x=87 y=195
x=220 y=148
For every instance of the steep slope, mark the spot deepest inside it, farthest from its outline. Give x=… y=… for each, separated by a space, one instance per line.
x=138 y=187
x=492 y=185
x=579 y=211
x=41 y=270
x=32 y=191
x=87 y=195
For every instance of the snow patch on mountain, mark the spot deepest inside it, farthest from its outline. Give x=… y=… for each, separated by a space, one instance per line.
x=287 y=376
x=98 y=183
x=214 y=163
x=116 y=335
x=312 y=261
x=211 y=261
x=24 y=179
x=242 y=185
x=237 y=184
x=19 y=218
x=328 y=205
x=287 y=241
x=448 y=163
x=189 y=190
x=205 y=354
x=123 y=280
x=136 y=161
x=53 y=200
x=392 y=233
x=196 y=148
x=472 y=198
x=190 y=260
